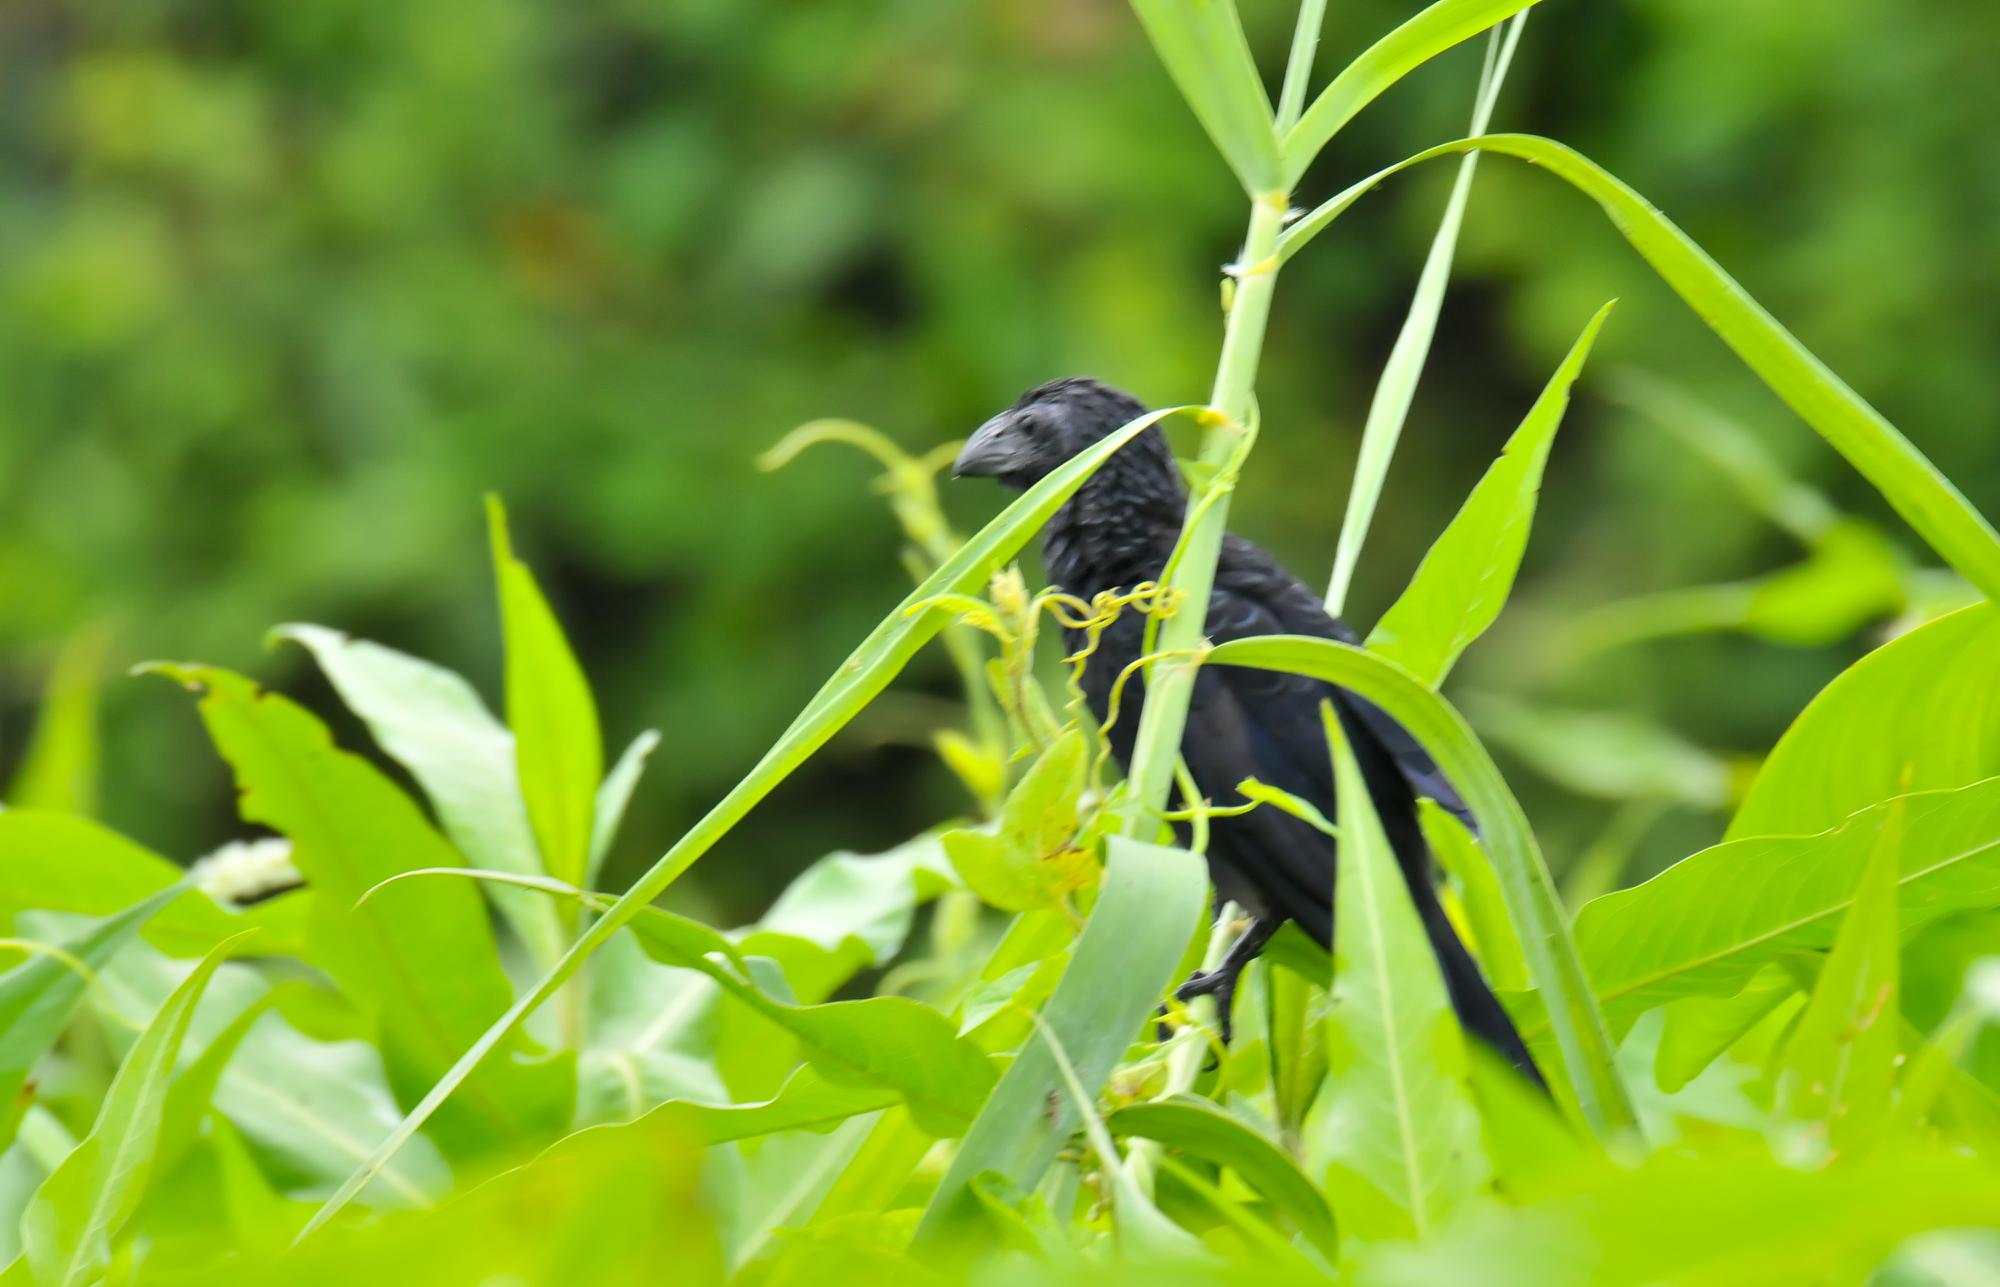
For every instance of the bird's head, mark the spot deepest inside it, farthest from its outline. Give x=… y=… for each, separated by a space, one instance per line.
x=1045 y=427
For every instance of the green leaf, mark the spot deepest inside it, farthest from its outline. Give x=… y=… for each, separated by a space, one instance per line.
x=1032 y=861
x=865 y=674
x=431 y=722
x=1201 y=1127
x=858 y=907
x=806 y=1102
x=1698 y=1029
x=1898 y=720
x=1612 y=755
x=1838 y=1067
x=1147 y=911
x=1722 y=1217
x=63 y=863
x=612 y=797
x=1461 y=585
x=1925 y=498
x=1395 y=1123
x=38 y=996
x=1706 y=925
x=1387 y=61
x=1493 y=937
x=1201 y=44
x=1532 y=905
x=1396 y=388
x=892 y=1042
x=71 y=1221
x=558 y=750
x=422 y=956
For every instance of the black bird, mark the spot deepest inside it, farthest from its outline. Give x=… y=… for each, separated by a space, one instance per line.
x=1117 y=531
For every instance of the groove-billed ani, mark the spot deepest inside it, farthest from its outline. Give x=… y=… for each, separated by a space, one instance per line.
x=1118 y=531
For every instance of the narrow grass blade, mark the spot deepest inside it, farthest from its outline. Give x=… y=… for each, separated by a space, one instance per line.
x=1538 y=916
x=1395 y=1123
x=1148 y=909
x=1905 y=477
x=1464 y=580
x=1397 y=387
x=1201 y=44
x=1391 y=58
x=71 y=1221
x=58 y=771
x=866 y=673
x=613 y=796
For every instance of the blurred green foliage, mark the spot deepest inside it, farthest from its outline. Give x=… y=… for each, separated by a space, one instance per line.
x=288 y=287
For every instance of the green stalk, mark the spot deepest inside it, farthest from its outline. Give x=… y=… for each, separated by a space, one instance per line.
x=1171 y=681
x=1298 y=67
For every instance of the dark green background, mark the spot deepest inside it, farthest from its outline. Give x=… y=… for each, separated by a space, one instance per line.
x=285 y=287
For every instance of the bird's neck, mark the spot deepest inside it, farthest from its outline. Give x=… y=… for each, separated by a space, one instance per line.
x=1121 y=525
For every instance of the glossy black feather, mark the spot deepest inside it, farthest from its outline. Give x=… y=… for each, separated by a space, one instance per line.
x=1117 y=531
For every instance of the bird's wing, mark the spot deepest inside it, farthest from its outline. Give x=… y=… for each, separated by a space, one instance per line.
x=1254 y=595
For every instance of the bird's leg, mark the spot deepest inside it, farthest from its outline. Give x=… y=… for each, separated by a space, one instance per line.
x=1220 y=982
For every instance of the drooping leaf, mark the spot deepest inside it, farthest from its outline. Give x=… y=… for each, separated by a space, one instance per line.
x=1147 y=911
x=558 y=750
x=421 y=955
x=1538 y=917
x=1706 y=925
x=1461 y=585
x=1698 y=1029
x=432 y=722
x=1905 y=477
x=1199 y=1126
x=1903 y=718
x=865 y=674
x=70 y=1224
x=1395 y=1123
x=1201 y=43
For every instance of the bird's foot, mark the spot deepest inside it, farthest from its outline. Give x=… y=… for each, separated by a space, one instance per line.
x=1219 y=983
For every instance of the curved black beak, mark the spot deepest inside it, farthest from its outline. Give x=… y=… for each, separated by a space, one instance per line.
x=994 y=449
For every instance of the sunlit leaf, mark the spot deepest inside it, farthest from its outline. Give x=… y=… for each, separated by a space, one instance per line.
x=1461 y=585
x=1201 y=44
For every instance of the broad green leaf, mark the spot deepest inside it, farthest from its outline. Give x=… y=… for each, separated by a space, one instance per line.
x=1201 y=44
x=1698 y=1029
x=864 y=675
x=806 y=1102
x=73 y=1218
x=1706 y=925
x=1463 y=582
x=1147 y=911
x=431 y=722
x=1837 y=1069
x=1904 y=476
x=1396 y=388
x=1200 y=1126
x=879 y=1041
x=1533 y=1147
x=1395 y=1123
x=38 y=996
x=1032 y=861
x=848 y=911
x=311 y=1111
x=63 y=863
x=1493 y=937
x=612 y=797
x=421 y=955
x=1903 y=718
x=1538 y=917
x=1388 y=60
x=58 y=771
x=558 y=750
x=1720 y=1219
